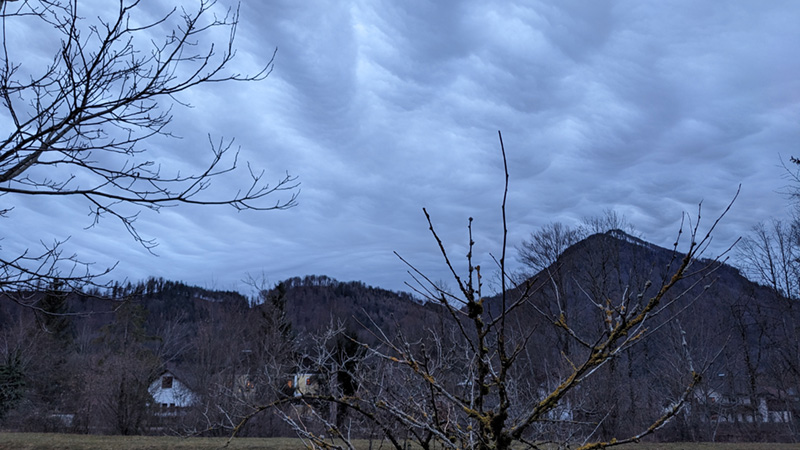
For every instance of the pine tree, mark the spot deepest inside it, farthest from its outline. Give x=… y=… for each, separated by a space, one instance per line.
x=12 y=382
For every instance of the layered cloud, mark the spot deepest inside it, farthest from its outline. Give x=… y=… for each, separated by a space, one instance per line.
x=382 y=108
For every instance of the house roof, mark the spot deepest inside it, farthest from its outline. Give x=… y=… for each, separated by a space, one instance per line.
x=179 y=375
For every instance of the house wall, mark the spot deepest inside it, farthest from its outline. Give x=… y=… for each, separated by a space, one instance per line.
x=178 y=395
x=305 y=384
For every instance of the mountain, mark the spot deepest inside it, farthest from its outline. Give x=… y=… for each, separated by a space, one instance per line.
x=740 y=335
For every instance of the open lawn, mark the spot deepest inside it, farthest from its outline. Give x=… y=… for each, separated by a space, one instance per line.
x=47 y=441
x=51 y=441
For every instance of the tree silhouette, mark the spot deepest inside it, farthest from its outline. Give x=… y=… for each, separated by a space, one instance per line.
x=78 y=118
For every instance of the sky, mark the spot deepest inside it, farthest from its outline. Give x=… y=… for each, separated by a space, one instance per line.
x=381 y=108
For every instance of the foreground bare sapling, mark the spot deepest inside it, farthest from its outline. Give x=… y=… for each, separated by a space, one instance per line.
x=483 y=377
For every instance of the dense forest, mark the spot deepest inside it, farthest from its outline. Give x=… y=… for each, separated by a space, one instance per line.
x=84 y=361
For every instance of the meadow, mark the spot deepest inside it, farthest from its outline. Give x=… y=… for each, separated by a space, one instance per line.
x=53 y=441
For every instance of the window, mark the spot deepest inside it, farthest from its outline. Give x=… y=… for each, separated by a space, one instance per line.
x=166 y=382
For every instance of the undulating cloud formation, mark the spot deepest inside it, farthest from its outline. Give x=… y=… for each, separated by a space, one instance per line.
x=382 y=108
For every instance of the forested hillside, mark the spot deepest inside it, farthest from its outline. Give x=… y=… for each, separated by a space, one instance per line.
x=93 y=361
x=740 y=336
x=83 y=361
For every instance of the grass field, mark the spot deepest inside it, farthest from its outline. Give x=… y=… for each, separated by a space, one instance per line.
x=45 y=441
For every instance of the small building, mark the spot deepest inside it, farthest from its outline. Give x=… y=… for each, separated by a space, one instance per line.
x=304 y=384
x=170 y=394
x=244 y=388
x=770 y=405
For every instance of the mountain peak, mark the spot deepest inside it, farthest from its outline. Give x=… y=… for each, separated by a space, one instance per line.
x=623 y=236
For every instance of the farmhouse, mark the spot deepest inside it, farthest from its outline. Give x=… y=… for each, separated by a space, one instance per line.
x=769 y=406
x=170 y=394
x=304 y=384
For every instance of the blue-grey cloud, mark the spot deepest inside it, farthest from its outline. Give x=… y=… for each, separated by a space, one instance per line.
x=383 y=108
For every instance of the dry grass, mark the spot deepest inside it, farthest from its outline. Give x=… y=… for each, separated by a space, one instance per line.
x=709 y=446
x=46 y=441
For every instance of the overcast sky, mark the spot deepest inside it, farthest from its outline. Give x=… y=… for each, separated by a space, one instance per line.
x=382 y=108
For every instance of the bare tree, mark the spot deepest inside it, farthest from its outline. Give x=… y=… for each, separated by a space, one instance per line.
x=541 y=251
x=77 y=120
x=610 y=220
x=770 y=255
x=600 y=273
x=547 y=244
x=469 y=384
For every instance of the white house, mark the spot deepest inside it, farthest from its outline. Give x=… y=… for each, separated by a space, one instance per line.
x=770 y=406
x=304 y=384
x=170 y=393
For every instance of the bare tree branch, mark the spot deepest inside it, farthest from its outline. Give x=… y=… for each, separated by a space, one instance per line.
x=77 y=125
